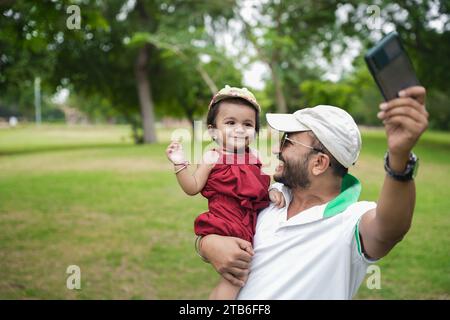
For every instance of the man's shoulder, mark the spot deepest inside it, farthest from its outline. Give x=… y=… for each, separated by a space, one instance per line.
x=358 y=209
x=360 y=205
x=269 y=212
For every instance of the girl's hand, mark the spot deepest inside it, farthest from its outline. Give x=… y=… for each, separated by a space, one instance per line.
x=175 y=153
x=277 y=198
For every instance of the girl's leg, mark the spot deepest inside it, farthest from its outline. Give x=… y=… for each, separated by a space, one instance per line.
x=224 y=291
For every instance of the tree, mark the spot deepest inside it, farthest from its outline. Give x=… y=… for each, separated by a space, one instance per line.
x=95 y=59
x=424 y=27
x=426 y=42
x=283 y=34
x=201 y=79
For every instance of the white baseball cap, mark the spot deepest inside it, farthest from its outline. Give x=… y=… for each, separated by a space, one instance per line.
x=333 y=126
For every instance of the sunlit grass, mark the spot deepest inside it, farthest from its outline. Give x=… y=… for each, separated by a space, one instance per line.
x=88 y=196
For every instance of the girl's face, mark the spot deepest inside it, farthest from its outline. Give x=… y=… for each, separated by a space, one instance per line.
x=235 y=126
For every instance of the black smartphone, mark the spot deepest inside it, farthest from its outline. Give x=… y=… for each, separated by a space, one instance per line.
x=390 y=66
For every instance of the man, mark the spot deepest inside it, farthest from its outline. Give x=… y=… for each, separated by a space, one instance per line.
x=319 y=245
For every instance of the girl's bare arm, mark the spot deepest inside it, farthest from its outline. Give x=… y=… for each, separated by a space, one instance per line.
x=191 y=183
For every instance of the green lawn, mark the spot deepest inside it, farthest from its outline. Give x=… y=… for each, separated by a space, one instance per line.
x=87 y=196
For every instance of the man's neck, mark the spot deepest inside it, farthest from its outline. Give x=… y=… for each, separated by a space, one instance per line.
x=316 y=194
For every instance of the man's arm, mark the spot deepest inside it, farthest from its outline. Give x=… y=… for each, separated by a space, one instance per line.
x=405 y=119
x=230 y=256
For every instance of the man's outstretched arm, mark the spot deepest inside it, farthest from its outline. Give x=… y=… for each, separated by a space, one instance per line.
x=405 y=119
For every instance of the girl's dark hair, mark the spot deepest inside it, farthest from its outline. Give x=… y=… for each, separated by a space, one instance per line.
x=214 y=111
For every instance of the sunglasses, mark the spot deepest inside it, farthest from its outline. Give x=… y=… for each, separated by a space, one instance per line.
x=285 y=139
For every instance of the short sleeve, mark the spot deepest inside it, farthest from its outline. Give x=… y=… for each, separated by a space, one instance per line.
x=352 y=218
x=277 y=186
x=357 y=250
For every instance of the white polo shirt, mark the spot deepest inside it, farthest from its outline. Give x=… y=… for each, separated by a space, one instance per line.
x=316 y=254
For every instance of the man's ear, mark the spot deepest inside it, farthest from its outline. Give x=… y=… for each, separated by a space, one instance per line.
x=320 y=164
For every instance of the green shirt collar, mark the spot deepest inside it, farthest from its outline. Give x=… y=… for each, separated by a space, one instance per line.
x=350 y=191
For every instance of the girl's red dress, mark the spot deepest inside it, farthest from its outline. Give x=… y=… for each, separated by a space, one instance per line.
x=236 y=190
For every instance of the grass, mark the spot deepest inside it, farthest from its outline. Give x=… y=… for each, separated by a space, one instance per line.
x=87 y=196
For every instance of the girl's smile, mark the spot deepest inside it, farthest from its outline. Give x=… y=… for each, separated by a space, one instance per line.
x=235 y=126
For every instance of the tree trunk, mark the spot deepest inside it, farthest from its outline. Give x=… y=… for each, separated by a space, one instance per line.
x=271 y=63
x=280 y=99
x=192 y=121
x=145 y=94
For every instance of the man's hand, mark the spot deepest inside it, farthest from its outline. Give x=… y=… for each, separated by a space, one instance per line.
x=405 y=119
x=230 y=256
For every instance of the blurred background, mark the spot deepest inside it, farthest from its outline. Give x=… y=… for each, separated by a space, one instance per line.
x=91 y=92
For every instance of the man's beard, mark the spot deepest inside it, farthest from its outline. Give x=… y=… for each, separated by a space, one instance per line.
x=295 y=173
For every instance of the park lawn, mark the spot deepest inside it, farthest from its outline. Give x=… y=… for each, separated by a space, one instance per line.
x=87 y=196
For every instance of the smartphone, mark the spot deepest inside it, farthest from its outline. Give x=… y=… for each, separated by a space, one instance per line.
x=390 y=66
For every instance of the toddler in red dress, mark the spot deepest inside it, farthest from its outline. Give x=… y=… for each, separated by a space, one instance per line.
x=229 y=176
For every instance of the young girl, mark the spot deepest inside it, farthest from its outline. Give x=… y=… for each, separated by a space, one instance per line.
x=230 y=176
